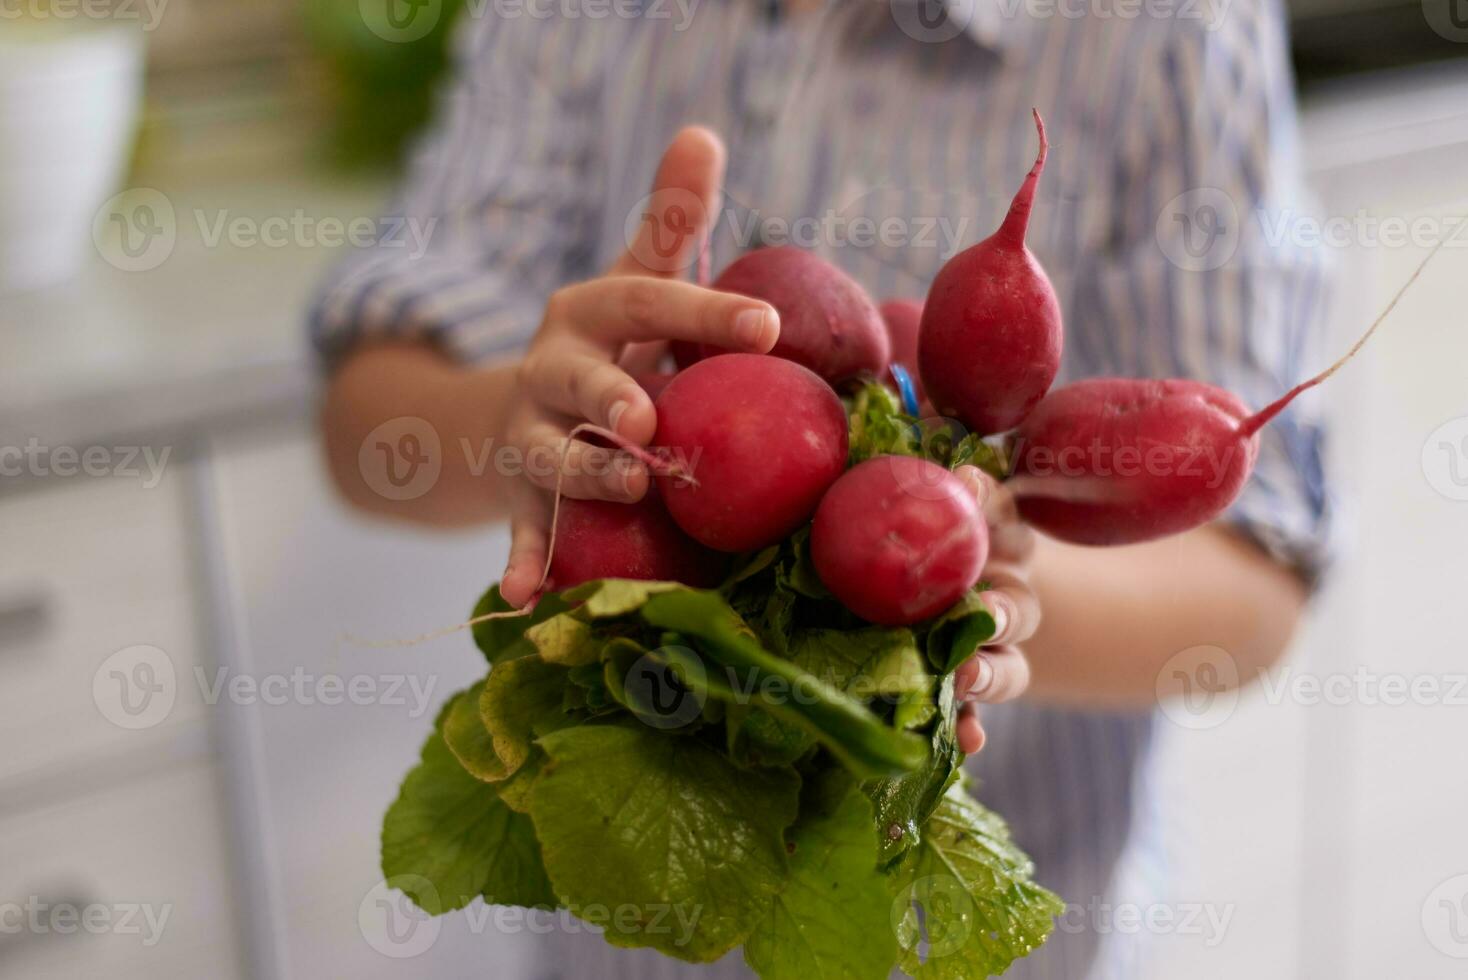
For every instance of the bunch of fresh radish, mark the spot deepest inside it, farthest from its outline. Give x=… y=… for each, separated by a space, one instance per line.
x=762 y=440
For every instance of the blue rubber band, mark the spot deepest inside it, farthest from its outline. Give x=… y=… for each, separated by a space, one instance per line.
x=906 y=388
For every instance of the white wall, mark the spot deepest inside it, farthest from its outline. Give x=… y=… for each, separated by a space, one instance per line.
x=1333 y=832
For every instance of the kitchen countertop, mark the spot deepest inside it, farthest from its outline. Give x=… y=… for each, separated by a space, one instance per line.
x=212 y=336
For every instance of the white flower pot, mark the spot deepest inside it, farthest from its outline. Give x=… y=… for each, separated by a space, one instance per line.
x=69 y=103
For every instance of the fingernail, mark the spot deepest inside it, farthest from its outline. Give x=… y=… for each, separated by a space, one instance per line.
x=999 y=609
x=615 y=413
x=983 y=678
x=750 y=330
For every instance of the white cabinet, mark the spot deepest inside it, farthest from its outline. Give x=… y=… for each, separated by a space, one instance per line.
x=114 y=856
x=303 y=572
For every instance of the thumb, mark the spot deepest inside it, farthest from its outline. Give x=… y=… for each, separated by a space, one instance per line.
x=668 y=229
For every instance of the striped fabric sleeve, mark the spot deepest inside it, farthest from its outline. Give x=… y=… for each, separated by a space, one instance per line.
x=1201 y=282
x=501 y=191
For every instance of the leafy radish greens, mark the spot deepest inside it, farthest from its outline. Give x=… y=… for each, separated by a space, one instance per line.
x=780 y=774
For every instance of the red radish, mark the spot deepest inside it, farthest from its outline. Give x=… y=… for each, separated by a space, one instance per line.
x=827 y=321
x=600 y=539
x=990 y=342
x=762 y=436
x=1111 y=461
x=903 y=316
x=898 y=539
x=1118 y=460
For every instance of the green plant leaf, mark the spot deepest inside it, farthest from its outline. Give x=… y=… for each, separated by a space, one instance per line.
x=469 y=740
x=861 y=740
x=905 y=802
x=522 y=699
x=834 y=918
x=957 y=634
x=981 y=909
x=565 y=639
x=664 y=826
x=504 y=639
x=448 y=838
x=515 y=791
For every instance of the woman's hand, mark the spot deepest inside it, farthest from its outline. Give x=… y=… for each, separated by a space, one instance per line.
x=576 y=367
x=999 y=672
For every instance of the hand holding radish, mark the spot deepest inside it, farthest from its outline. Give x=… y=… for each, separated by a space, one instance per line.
x=999 y=672
x=574 y=369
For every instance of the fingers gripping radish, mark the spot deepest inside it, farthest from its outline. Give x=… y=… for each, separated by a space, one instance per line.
x=763 y=437
x=990 y=342
x=827 y=321
x=898 y=539
x=1111 y=461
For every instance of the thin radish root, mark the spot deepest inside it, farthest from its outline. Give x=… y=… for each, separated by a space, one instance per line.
x=1264 y=416
x=358 y=641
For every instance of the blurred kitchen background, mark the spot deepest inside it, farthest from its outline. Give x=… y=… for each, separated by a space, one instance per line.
x=165 y=525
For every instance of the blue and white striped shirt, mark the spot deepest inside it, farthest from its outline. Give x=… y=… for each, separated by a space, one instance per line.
x=887 y=139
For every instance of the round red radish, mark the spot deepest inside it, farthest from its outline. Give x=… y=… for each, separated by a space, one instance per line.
x=762 y=437
x=1117 y=460
x=989 y=347
x=827 y=321
x=903 y=317
x=598 y=539
x=899 y=539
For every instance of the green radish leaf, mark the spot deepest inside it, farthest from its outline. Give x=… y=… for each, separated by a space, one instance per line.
x=880 y=428
x=565 y=639
x=904 y=803
x=980 y=907
x=866 y=664
x=957 y=634
x=612 y=597
x=469 y=740
x=861 y=740
x=834 y=918
x=504 y=639
x=633 y=818
x=972 y=450
x=876 y=662
x=522 y=699
x=515 y=791
x=449 y=838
